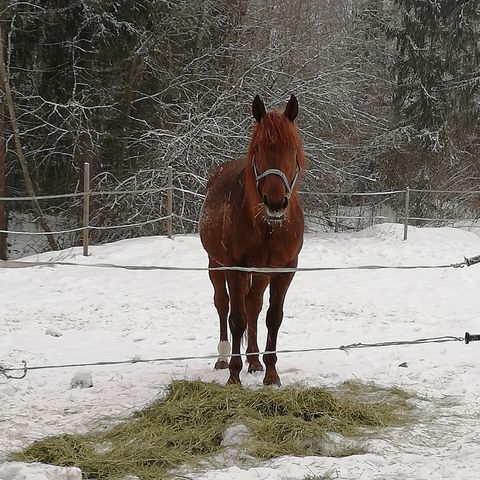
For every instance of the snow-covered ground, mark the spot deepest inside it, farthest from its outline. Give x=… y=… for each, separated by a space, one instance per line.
x=67 y=314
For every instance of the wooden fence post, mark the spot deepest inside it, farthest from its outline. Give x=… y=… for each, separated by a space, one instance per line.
x=169 y=202
x=86 y=206
x=407 y=213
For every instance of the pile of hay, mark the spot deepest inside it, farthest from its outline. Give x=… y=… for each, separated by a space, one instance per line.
x=188 y=426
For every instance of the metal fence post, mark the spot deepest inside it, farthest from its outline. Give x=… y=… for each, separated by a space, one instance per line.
x=360 y=216
x=170 y=202
x=337 y=209
x=372 y=206
x=407 y=213
x=86 y=206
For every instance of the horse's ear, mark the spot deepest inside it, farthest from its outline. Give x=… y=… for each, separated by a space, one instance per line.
x=291 y=110
x=258 y=108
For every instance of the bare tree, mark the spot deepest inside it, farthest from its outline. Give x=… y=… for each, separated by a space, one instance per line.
x=4 y=80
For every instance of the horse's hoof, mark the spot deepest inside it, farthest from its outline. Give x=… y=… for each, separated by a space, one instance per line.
x=255 y=367
x=234 y=381
x=221 y=365
x=268 y=381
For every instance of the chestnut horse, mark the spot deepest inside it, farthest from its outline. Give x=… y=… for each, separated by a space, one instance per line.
x=252 y=217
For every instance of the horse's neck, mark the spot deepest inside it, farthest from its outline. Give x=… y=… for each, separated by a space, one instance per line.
x=251 y=197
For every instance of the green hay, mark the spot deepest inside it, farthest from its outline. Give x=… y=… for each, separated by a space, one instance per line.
x=188 y=425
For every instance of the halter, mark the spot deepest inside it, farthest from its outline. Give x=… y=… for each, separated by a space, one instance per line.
x=279 y=173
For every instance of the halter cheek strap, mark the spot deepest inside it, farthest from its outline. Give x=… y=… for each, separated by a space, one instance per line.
x=274 y=171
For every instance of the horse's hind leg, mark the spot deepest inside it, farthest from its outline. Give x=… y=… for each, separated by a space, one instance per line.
x=221 y=301
x=254 y=306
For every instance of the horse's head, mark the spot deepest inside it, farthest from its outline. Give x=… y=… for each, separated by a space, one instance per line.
x=275 y=157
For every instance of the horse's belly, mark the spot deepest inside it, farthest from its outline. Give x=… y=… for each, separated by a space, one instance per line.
x=214 y=233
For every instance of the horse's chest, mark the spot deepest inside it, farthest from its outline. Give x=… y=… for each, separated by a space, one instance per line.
x=271 y=247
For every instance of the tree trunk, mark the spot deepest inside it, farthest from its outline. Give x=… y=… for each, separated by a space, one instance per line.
x=200 y=36
x=4 y=80
x=3 y=206
x=3 y=190
x=134 y=72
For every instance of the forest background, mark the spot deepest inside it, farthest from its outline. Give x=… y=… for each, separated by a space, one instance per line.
x=388 y=93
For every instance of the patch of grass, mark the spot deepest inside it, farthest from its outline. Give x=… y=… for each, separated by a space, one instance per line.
x=188 y=425
x=390 y=394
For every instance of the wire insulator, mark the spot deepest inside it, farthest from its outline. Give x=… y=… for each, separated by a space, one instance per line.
x=472 y=261
x=471 y=338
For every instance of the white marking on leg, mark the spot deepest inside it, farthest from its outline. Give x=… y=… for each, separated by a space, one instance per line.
x=224 y=350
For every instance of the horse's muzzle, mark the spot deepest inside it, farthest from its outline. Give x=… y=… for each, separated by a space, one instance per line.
x=275 y=213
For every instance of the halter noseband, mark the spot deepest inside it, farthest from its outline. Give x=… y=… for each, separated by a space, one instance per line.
x=279 y=173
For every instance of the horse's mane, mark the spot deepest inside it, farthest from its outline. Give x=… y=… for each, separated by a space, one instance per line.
x=278 y=132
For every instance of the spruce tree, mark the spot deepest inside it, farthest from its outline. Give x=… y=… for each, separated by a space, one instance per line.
x=436 y=70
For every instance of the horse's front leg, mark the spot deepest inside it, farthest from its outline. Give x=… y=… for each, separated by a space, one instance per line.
x=278 y=289
x=238 y=283
x=254 y=306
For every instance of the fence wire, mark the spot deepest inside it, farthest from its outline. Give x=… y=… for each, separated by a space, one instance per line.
x=5 y=371
x=83 y=194
x=201 y=195
x=329 y=216
x=90 y=227
x=261 y=270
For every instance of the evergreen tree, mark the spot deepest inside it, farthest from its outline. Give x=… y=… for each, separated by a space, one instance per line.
x=437 y=68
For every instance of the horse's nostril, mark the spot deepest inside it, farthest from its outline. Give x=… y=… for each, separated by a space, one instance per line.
x=275 y=206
